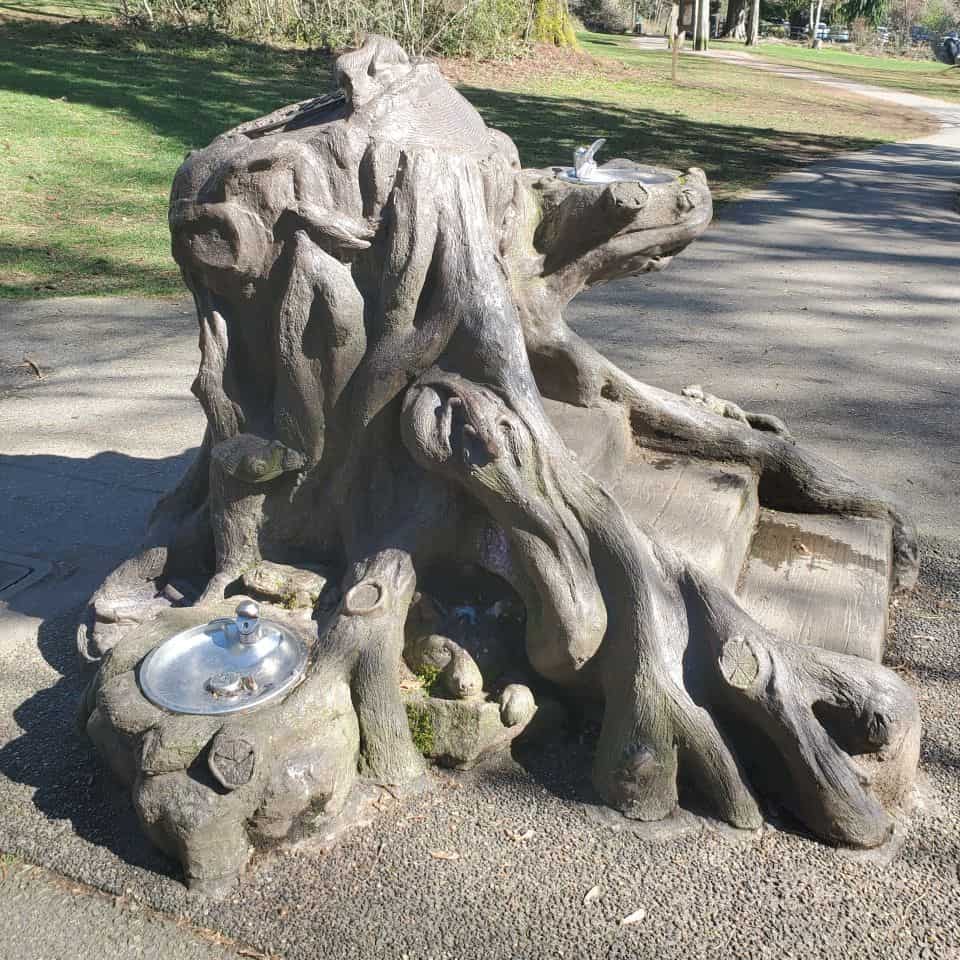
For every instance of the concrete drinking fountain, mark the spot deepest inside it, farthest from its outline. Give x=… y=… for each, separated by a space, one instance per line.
x=425 y=515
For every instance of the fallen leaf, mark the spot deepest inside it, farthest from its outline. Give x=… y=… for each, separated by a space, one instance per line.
x=444 y=855
x=634 y=917
x=526 y=835
x=592 y=894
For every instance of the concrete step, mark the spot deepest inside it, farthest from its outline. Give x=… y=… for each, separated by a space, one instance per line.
x=821 y=580
x=704 y=509
x=813 y=578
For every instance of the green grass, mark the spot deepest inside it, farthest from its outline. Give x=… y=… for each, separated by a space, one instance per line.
x=95 y=124
x=924 y=77
x=59 y=9
x=96 y=121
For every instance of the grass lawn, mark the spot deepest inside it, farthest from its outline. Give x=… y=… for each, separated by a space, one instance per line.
x=925 y=77
x=95 y=122
x=59 y=9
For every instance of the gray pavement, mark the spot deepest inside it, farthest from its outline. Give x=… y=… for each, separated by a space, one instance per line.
x=947 y=113
x=828 y=298
x=66 y=919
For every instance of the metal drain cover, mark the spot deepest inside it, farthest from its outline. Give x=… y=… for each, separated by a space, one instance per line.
x=17 y=573
x=12 y=573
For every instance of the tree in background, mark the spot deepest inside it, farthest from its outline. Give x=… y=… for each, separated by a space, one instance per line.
x=940 y=16
x=551 y=23
x=872 y=11
x=901 y=16
x=605 y=16
x=753 y=24
x=816 y=12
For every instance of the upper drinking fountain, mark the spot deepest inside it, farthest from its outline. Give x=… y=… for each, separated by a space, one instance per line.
x=586 y=170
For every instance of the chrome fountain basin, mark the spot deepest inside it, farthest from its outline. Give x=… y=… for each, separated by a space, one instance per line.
x=224 y=666
x=586 y=171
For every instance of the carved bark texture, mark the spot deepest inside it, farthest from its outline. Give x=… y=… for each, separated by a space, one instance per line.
x=380 y=289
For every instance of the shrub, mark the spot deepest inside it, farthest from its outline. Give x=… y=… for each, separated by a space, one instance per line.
x=478 y=28
x=605 y=16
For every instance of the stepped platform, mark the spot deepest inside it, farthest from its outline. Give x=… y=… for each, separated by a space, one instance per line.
x=818 y=579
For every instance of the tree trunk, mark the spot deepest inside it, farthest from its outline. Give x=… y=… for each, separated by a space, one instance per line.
x=704 y=25
x=731 y=23
x=814 y=39
x=753 y=24
x=380 y=291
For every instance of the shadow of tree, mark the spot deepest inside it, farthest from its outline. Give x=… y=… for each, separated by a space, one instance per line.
x=92 y=522
x=110 y=274
x=70 y=782
x=192 y=92
x=106 y=231
x=546 y=131
x=187 y=92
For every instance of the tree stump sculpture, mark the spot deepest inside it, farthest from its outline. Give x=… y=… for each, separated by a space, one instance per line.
x=380 y=291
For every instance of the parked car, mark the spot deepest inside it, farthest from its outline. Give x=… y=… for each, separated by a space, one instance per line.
x=823 y=31
x=839 y=34
x=884 y=35
x=919 y=34
x=950 y=48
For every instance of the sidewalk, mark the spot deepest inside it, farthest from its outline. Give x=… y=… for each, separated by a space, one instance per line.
x=66 y=920
x=946 y=112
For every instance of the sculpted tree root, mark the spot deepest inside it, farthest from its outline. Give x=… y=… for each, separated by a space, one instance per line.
x=380 y=289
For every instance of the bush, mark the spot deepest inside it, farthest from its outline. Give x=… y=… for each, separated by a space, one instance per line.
x=774 y=30
x=478 y=28
x=605 y=16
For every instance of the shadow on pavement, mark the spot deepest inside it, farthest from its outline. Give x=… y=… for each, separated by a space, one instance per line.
x=84 y=516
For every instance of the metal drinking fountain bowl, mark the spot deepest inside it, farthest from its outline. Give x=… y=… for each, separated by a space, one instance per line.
x=585 y=169
x=224 y=666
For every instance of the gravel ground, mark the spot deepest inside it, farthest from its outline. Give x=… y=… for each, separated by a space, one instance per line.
x=529 y=847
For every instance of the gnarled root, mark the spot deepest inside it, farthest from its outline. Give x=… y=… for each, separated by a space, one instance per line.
x=689 y=680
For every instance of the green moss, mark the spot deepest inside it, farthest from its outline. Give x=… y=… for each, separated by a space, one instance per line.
x=421 y=728
x=428 y=677
x=551 y=23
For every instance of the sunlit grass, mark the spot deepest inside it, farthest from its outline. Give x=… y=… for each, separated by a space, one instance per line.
x=94 y=123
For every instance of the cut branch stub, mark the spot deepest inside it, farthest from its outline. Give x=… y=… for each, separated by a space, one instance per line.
x=231 y=759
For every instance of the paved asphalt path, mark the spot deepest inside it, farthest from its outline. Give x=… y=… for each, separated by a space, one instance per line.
x=829 y=298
